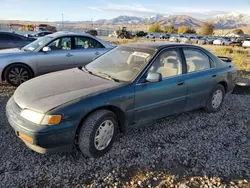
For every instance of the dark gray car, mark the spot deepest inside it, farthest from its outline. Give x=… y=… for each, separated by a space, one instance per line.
x=132 y=83
x=12 y=40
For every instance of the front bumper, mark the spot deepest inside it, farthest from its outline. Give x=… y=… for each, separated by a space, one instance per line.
x=45 y=139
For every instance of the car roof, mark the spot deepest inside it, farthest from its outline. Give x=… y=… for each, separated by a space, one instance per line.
x=8 y=33
x=156 y=45
x=66 y=33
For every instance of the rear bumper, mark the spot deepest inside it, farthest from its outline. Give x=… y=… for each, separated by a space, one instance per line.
x=44 y=139
x=1 y=72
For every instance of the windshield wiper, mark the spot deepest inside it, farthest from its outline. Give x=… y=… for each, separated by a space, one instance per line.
x=108 y=76
x=100 y=74
x=84 y=69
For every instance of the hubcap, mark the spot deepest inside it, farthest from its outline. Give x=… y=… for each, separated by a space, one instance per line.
x=104 y=135
x=18 y=75
x=217 y=98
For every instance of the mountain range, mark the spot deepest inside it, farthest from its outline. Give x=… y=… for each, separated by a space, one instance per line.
x=221 y=21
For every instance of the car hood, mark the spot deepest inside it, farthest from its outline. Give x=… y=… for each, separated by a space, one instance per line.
x=49 y=91
x=11 y=51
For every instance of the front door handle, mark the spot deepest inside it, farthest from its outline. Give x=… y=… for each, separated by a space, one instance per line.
x=69 y=55
x=97 y=53
x=180 y=83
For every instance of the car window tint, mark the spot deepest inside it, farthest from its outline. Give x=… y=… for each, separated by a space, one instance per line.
x=9 y=37
x=87 y=43
x=168 y=63
x=196 y=60
x=61 y=44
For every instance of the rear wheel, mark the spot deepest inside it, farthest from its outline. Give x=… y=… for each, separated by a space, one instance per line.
x=97 y=133
x=215 y=99
x=17 y=74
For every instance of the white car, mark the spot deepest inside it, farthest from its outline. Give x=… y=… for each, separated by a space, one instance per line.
x=194 y=39
x=202 y=41
x=173 y=39
x=221 y=41
x=246 y=43
x=185 y=40
x=150 y=36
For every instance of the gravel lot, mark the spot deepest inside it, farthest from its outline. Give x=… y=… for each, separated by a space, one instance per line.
x=192 y=149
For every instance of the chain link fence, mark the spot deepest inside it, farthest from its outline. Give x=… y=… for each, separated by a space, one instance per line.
x=101 y=32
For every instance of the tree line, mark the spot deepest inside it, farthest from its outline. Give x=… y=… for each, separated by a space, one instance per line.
x=206 y=29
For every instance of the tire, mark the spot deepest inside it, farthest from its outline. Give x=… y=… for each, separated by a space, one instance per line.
x=210 y=106
x=89 y=129
x=24 y=74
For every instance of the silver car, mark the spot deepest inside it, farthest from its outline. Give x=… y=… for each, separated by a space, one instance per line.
x=58 y=51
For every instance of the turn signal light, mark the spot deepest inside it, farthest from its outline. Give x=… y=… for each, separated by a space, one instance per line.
x=26 y=138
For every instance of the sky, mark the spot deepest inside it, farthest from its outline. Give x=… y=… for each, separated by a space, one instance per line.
x=79 y=10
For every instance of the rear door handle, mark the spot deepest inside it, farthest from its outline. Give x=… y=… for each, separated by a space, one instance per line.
x=214 y=75
x=180 y=83
x=69 y=55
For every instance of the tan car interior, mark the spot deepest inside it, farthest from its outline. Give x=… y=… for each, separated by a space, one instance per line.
x=196 y=61
x=168 y=64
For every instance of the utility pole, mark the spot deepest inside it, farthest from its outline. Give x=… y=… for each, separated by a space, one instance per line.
x=62 y=20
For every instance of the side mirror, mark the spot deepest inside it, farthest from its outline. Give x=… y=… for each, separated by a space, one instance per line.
x=154 y=77
x=46 y=49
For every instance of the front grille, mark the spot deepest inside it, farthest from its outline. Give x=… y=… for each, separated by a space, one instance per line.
x=16 y=109
x=13 y=107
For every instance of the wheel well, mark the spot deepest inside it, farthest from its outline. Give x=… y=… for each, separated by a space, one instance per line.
x=224 y=84
x=2 y=76
x=117 y=111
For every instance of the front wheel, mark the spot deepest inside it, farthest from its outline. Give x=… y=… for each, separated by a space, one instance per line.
x=215 y=99
x=17 y=74
x=97 y=133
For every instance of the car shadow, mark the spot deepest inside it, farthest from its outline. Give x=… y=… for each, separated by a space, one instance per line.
x=243 y=83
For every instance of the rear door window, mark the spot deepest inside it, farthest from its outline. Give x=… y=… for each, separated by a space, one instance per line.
x=87 y=43
x=196 y=60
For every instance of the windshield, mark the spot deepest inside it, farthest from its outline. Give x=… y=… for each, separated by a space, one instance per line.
x=121 y=63
x=37 y=43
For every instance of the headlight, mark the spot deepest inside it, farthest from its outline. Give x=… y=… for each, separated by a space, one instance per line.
x=41 y=119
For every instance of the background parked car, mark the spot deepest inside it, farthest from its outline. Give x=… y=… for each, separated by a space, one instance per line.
x=92 y=32
x=246 y=43
x=221 y=41
x=236 y=42
x=210 y=40
x=58 y=51
x=150 y=36
x=165 y=36
x=141 y=34
x=12 y=40
x=173 y=39
x=185 y=40
x=195 y=39
x=38 y=34
x=202 y=41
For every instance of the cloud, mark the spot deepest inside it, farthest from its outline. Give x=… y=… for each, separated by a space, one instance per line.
x=201 y=15
x=141 y=11
x=136 y=9
x=95 y=8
